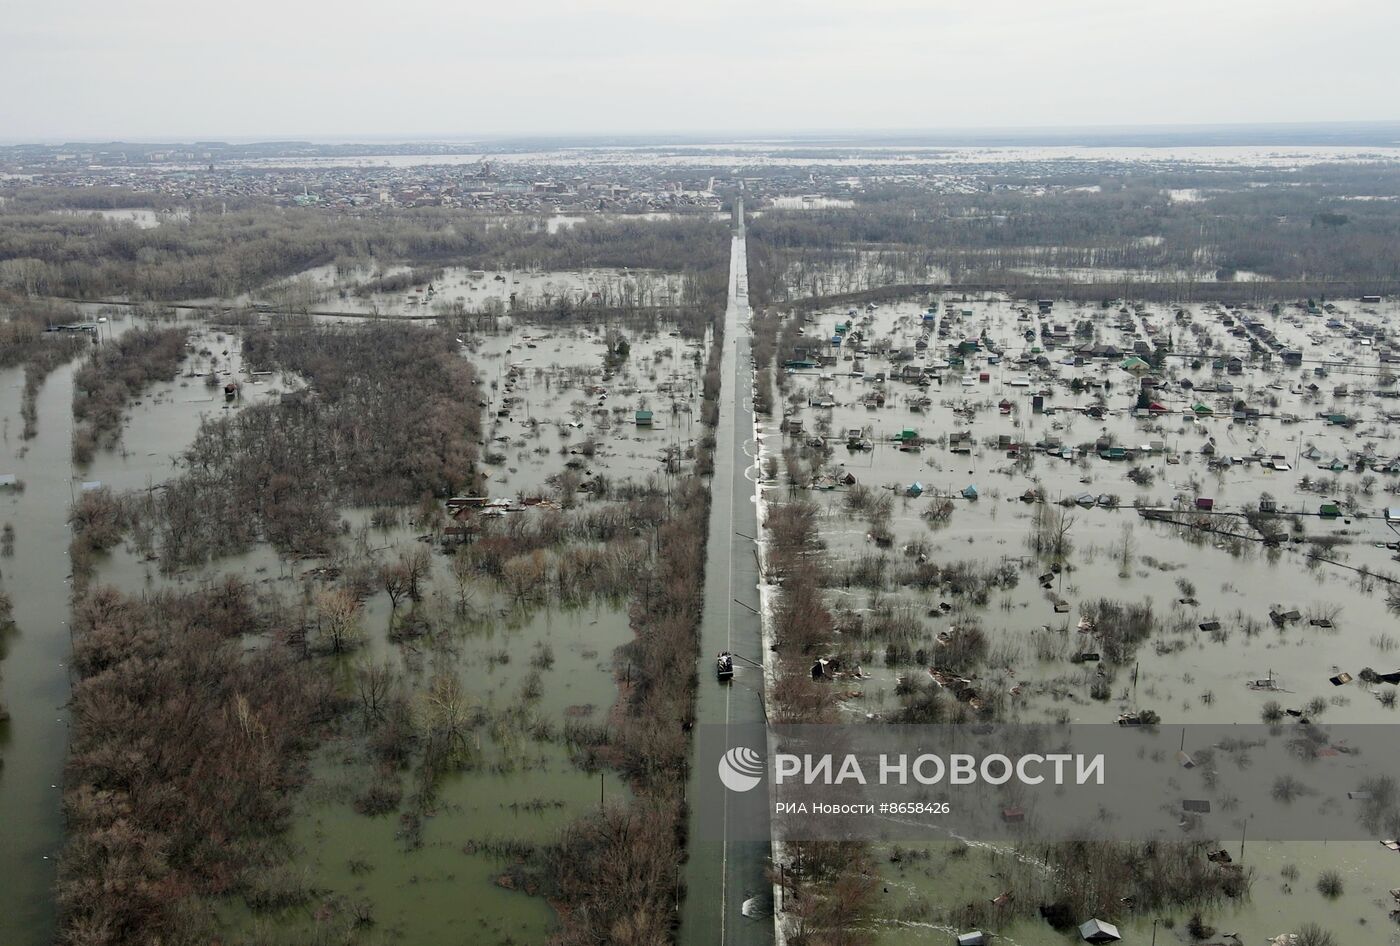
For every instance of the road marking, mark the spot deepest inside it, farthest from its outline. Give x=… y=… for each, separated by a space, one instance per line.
x=730 y=314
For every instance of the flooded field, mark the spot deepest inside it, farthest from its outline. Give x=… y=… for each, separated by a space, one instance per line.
x=1010 y=417
x=570 y=415
x=425 y=293
x=145 y=218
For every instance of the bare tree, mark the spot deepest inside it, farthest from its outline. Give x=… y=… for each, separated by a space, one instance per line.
x=338 y=619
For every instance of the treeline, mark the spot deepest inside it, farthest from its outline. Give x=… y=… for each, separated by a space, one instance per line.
x=23 y=341
x=829 y=887
x=117 y=372
x=398 y=282
x=184 y=752
x=219 y=255
x=100 y=197
x=392 y=414
x=22 y=324
x=1303 y=224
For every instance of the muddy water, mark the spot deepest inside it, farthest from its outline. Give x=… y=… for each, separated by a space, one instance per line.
x=33 y=742
x=1183 y=674
x=521 y=790
x=553 y=415
x=524 y=788
x=35 y=683
x=325 y=288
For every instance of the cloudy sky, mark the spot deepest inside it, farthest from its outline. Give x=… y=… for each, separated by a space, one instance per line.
x=99 y=69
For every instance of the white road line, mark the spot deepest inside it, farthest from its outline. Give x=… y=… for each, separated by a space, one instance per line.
x=730 y=310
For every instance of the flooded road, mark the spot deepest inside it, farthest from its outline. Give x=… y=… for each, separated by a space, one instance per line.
x=722 y=875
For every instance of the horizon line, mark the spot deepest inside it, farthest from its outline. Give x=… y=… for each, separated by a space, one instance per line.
x=721 y=136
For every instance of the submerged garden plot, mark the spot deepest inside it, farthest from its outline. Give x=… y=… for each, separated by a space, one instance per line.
x=983 y=509
x=449 y=562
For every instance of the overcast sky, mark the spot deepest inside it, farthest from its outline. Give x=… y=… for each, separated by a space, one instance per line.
x=98 y=69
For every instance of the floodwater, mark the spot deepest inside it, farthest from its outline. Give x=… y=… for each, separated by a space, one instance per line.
x=812 y=202
x=33 y=743
x=323 y=288
x=546 y=395
x=144 y=218
x=521 y=790
x=33 y=678
x=1182 y=673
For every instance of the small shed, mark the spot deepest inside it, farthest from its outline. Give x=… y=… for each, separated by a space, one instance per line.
x=974 y=938
x=643 y=418
x=1205 y=504
x=1099 y=931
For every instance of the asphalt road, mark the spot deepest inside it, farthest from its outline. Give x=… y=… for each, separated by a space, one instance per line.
x=722 y=873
